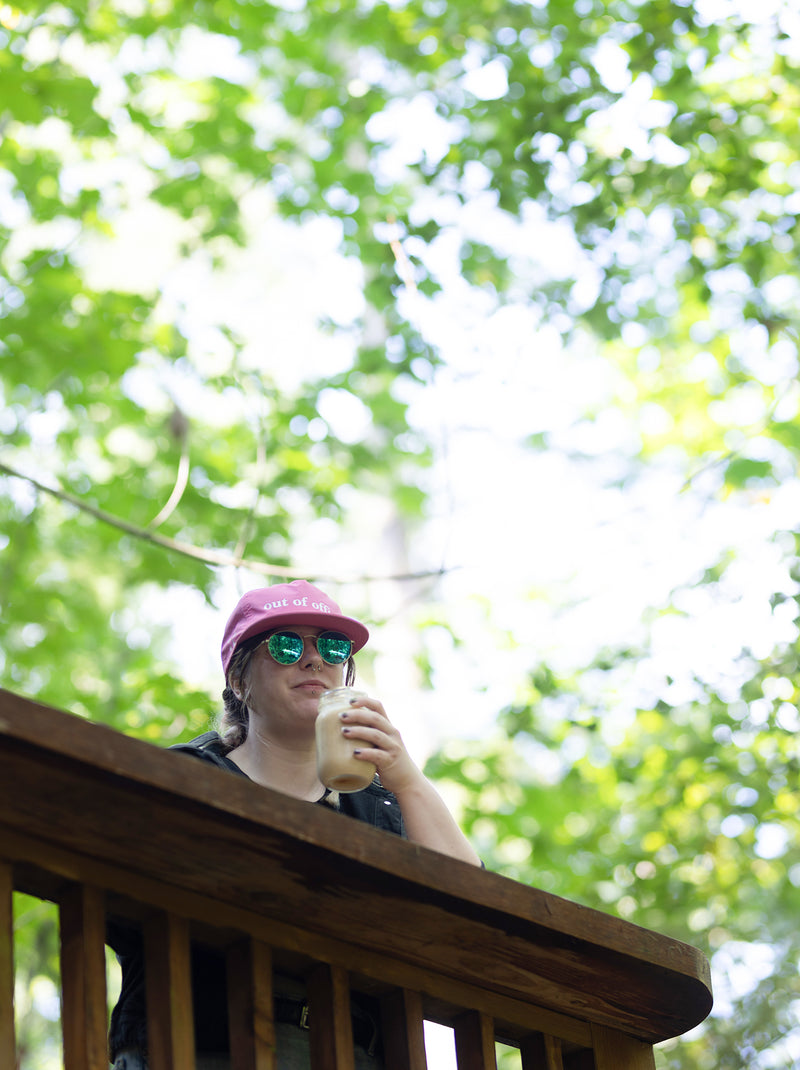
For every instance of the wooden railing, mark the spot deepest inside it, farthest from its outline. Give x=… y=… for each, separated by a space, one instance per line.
x=100 y=823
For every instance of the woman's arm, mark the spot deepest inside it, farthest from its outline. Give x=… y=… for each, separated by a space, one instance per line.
x=427 y=819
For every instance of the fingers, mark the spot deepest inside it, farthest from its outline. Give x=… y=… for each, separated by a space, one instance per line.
x=366 y=722
x=376 y=737
x=372 y=716
x=360 y=732
x=371 y=725
x=368 y=704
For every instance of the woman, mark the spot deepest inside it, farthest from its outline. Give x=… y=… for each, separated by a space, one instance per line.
x=282 y=647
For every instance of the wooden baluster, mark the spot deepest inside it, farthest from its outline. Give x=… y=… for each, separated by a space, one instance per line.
x=170 y=1025
x=475 y=1049
x=403 y=1031
x=84 y=1012
x=250 y=1007
x=8 y=1056
x=541 y=1052
x=580 y=1060
x=329 y=1019
x=616 y=1051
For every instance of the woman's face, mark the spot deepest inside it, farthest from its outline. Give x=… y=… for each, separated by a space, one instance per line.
x=286 y=697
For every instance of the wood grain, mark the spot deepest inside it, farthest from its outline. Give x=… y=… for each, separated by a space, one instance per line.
x=329 y=1019
x=403 y=1031
x=613 y=1049
x=77 y=799
x=83 y=978
x=170 y=1025
x=541 y=1052
x=474 y=1036
x=250 y=1014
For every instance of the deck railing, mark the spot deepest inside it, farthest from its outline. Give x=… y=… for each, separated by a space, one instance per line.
x=103 y=824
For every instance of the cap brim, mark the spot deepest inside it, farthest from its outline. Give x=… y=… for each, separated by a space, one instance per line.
x=355 y=631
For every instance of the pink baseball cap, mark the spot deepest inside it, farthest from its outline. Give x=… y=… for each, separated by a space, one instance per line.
x=297 y=602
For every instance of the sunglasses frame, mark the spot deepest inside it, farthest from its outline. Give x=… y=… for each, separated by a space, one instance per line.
x=314 y=638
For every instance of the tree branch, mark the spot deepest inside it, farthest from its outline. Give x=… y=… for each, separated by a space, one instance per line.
x=209 y=557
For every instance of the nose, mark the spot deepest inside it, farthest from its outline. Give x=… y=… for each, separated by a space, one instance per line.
x=311 y=656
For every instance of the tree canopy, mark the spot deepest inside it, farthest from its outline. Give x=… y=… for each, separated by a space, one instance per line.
x=242 y=242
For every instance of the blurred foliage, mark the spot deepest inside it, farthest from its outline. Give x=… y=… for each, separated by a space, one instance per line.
x=658 y=140
x=37 y=973
x=687 y=821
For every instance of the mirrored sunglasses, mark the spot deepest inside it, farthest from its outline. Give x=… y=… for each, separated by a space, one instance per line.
x=287 y=647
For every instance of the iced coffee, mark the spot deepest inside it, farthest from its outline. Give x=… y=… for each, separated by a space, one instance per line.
x=336 y=766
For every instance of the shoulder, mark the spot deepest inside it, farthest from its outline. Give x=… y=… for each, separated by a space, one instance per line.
x=209 y=748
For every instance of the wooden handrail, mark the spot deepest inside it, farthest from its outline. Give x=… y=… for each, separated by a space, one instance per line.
x=88 y=815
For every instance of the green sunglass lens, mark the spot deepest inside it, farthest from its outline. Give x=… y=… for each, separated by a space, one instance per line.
x=285 y=647
x=334 y=647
